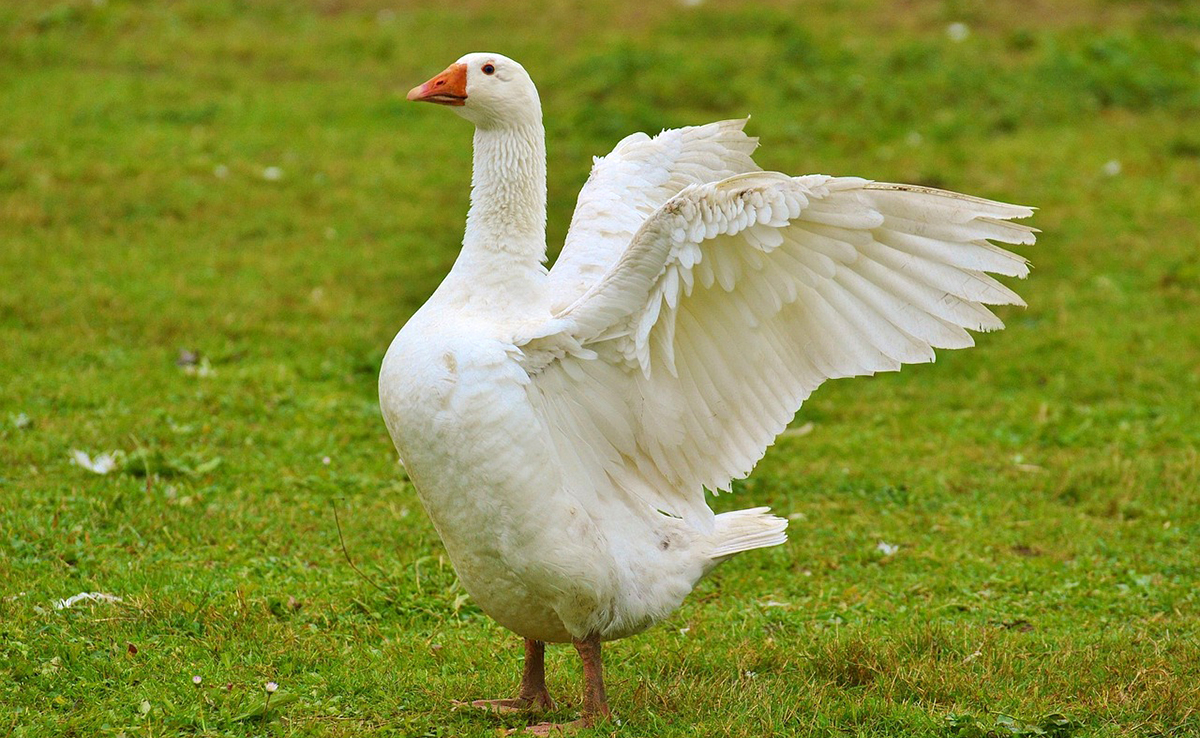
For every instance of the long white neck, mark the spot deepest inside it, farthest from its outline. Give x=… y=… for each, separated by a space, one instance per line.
x=505 y=242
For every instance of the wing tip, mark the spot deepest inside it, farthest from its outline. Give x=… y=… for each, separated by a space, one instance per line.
x=1013 y=210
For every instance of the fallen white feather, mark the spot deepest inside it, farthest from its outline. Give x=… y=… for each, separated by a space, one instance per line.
x=102 y=464
x=85 y=597
x=887 y=549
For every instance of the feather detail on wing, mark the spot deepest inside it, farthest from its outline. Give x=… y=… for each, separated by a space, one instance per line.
x=736 y=299
x=631 y=183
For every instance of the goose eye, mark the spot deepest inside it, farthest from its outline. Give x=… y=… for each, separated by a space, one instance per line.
x=489 y=69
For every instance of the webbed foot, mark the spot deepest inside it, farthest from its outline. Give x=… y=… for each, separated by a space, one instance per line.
x=531 y=703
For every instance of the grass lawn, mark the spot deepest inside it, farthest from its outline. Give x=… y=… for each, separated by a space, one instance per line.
x=215 y=214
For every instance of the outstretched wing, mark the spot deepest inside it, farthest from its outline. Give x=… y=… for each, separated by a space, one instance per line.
x=628 y=185
x=736 y=299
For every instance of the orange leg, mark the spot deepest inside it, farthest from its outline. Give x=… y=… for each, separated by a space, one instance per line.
x=532 y=694
x=595 y=701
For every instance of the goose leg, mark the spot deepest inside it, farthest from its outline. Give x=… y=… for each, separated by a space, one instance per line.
x=595 y=701
x=532 y=694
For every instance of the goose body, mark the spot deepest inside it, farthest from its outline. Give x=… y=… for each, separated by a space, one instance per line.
x=560 y=426
x=542 y=560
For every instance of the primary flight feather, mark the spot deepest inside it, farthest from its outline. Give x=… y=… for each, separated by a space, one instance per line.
x=561 y=426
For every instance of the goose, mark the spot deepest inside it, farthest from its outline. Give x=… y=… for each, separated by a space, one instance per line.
x=560 y=426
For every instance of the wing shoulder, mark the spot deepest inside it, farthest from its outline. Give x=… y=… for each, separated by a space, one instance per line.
x=631 y=183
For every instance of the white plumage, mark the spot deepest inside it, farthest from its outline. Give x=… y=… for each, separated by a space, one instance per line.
x=561 y=427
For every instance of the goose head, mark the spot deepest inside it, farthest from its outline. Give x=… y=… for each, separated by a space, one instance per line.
x=490 y=90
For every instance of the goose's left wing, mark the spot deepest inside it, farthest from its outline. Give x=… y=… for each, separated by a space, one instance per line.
x=631 y=183
x=736 y=299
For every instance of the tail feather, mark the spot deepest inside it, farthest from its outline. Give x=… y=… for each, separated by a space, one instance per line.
x=744 y=530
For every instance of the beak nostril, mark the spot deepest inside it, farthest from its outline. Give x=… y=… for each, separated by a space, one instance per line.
x=439 y=83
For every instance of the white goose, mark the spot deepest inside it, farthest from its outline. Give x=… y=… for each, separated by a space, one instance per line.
x=560 y=426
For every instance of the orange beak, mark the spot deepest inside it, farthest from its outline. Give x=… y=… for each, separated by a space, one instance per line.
x=448 y=88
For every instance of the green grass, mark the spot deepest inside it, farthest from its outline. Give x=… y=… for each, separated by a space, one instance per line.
x=1043 y=488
